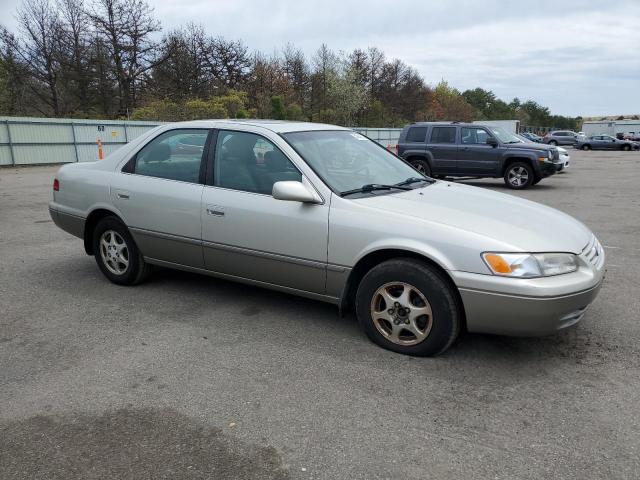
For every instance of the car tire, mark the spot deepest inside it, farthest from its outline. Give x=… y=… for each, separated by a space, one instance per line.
x=117 y=254
x=430 y=314
x=626 y=148
x=422 y=166
x=519 y=175
x=553 y=142
x=586 y=147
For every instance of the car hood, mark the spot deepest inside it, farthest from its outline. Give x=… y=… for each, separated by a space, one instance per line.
x=530 y=146
x=518 y=224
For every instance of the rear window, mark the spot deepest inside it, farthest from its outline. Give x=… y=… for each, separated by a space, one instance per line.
x=443 y=135
x=417 y=134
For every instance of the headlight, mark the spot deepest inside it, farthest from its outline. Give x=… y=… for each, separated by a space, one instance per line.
x=550 y=154
x=530 y=265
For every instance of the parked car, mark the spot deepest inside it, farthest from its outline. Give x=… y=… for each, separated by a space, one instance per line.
x=565 y=159
x=333 y=216
x=564 y=154
x=561 y=137
x=469 y=150
x=531 y=137
x=606 y=142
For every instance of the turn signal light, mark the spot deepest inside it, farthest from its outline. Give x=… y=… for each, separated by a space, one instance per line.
x=497 y=263
x=56 y=185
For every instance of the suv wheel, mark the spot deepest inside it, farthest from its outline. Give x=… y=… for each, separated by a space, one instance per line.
x=406 y=306
x=422 y=166
x=586 y=147
x=116 y=253
x=553 y=142
x=519 y=175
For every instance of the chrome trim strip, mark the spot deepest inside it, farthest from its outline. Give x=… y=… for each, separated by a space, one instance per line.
x=261 y=254
x=231 y=248
x=166 y=236
x=258 y=283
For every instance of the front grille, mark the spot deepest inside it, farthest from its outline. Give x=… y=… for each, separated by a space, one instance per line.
x=571 y=318
x=593 y=252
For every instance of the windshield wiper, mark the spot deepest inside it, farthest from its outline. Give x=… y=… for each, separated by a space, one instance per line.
x=411 y=180
x=370 y=187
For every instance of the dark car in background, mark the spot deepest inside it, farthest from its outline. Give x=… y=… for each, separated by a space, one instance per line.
x=532 y=137
x=561 y=137
x=478 y=151
x=606 y=142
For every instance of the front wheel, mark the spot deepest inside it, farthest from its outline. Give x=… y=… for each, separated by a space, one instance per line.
x=116 y=253
x=518 y=176
x=422 y=166
x=626 y=148
x=554 y=143
x=586 y=147
x=407 y=306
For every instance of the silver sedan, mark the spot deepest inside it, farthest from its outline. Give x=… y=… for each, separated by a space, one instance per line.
x=323 y=212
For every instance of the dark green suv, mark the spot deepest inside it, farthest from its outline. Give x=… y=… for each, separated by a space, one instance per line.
x=477 y=151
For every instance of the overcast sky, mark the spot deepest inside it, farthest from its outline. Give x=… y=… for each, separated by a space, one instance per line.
x=576 y=57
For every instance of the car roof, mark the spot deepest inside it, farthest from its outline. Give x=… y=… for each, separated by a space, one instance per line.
x=277 y=126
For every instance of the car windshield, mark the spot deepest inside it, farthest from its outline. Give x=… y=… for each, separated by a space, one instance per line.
x=346 y=160
x=504 y=136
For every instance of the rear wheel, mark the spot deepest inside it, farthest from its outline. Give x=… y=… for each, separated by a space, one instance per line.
x=406 y=306
x=519 y=175
x=586 y=147
x=116 y=253
x=422 y=166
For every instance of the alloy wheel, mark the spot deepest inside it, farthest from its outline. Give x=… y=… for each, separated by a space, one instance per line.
x=114 y=252
x=401 y=313
x=518 y=176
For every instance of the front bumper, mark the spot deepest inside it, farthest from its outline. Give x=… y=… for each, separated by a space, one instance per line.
x=530 y=307
x=548 y=168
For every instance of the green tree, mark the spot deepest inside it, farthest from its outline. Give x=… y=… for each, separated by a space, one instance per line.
x=278 y=111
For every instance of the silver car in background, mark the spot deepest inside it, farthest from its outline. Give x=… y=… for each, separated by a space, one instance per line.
x=324 y=212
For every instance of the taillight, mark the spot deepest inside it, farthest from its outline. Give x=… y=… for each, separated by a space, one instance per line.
x=56 y=185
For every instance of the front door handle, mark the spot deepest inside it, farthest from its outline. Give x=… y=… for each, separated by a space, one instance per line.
x=122 y=194
x=215 y=211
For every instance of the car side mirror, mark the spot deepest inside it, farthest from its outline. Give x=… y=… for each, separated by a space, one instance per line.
x=294 y=192
x=492 y=141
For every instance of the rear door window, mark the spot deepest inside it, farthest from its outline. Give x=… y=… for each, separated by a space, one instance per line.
x=443 y=135
x=417 y=134
x=173 y=155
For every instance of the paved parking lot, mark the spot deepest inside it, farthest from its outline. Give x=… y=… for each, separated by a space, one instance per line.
x=192 y=377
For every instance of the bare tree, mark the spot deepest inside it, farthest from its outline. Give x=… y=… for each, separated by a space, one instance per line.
x=125 y=28
x=74 y=50
x=38 y=49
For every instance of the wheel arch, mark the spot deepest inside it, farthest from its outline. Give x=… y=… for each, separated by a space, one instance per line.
x=92 y=220
x=514 y=159
x=419 y=156
x=375 y=257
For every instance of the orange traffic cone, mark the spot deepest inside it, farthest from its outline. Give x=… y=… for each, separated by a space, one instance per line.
x=100 y=154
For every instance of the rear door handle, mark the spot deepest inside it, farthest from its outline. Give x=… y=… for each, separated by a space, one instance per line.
x=122 y=194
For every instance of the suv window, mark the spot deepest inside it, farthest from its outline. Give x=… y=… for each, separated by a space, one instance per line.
x=443 y=135
x=174 y=155
x=472 y=135
x=417 y=134
x=251 y=163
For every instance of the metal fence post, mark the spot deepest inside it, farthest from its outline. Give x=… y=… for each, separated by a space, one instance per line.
x=75 y=144
x=13 y=155
x=126 y=135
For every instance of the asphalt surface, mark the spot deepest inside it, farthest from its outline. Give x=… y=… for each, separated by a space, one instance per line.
x=192 y=377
